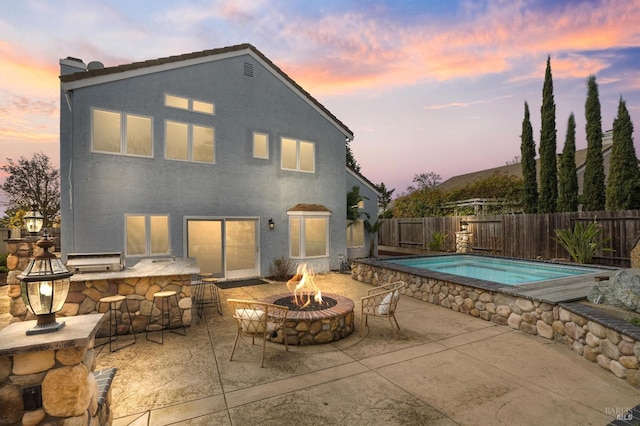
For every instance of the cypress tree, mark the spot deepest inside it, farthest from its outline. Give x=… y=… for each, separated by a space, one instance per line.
x=548 y=165
x=624 y=175
x=528 y=154
x=568 y=178
x=593 y=192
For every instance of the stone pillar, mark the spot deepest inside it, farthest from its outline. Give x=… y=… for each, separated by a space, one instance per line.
x=59 y=367
x=19 y=252
x=464 y=242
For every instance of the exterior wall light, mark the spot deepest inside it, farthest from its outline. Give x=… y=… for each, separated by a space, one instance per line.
x=464 y=225
x=33 y=221
x=272 y=225
x=44 y=286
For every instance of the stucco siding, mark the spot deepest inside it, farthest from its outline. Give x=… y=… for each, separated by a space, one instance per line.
x=99 y=189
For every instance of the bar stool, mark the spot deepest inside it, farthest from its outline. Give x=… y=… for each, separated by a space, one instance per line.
x=113 y=320
x=201 y=298
x=165 y=311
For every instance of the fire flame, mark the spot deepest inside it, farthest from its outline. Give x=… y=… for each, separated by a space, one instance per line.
x=302 y=286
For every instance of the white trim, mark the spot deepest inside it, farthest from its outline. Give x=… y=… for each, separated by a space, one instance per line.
x=308 y=213
x=355 y=175
x=190 y=127
x=253 y=145
x=123 y=133
x=223 y=220
x=298 y=155
x=301 y=216
x=122 y=75
x=152 y=69
x=147 y=231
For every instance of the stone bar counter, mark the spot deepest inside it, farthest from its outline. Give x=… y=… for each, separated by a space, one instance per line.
x=49 y=378
x=137 y=283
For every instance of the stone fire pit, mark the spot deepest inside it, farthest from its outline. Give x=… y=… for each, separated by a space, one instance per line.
x=319 y=326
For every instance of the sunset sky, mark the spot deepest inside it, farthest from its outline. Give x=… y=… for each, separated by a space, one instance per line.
x=425 y=85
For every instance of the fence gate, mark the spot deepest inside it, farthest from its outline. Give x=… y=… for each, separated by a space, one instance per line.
x=488 y=235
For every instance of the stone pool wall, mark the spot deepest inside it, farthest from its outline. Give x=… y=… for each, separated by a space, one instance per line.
x=613 y=344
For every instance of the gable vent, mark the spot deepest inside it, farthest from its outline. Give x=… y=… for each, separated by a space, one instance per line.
x=248 y=69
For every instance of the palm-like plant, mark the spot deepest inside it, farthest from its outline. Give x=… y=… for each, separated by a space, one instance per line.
x=372 y=229
x=582 y=242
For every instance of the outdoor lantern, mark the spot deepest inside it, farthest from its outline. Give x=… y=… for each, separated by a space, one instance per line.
x=464 y=225
x=44 y=286
x=272 y=225
x=34 y=221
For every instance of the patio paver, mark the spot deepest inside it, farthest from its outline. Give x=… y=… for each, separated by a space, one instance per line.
x=444 y=368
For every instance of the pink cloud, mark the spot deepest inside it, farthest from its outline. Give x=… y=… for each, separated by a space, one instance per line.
x=17 y=135
x=351 y=52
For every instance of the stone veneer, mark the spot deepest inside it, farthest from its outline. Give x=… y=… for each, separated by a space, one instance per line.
x=62 y=364
x=464 y=241
x=87 y=289
x=317 y=327
x=611 y=343
x=84 y=298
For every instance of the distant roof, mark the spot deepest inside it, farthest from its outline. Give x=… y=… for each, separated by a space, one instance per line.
x=223 y=51
x=509 y=169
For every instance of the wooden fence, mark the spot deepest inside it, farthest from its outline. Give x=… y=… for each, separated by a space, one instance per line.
x=526 y=236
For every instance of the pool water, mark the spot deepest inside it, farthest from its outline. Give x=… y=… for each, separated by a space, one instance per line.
x=504 y=271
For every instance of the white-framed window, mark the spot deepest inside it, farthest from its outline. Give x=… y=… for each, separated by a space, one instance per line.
x=146 y=235
x=176 y=101
x=298 y=155
x=203 y=107
x=260 y=145
x=181 y=102
x=121 y=133
x=308 y=234
x=355 y=234
x=189 y=142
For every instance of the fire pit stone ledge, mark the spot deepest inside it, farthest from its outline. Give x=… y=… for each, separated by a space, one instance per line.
x=319 y=326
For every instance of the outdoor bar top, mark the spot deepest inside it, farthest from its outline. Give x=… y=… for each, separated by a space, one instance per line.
x=145 y=268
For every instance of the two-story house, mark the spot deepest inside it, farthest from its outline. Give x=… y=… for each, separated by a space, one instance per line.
x=217 y=155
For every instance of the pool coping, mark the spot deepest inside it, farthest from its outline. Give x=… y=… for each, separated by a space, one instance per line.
x=540 y=291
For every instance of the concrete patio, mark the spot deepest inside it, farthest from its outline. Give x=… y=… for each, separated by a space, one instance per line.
x=444 y=368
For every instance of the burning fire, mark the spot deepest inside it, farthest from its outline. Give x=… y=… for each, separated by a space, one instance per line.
x=302 y=287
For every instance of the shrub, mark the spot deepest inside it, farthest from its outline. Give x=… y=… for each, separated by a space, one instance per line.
x=582 y=242
x=3 y=260
x=281 y=269
x=437 y=241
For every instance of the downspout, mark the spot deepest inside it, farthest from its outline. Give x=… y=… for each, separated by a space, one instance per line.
x=67 y=95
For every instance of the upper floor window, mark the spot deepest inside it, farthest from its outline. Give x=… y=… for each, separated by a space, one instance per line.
x=260 y=145
x=298 y=155
x=121 y=133
x=189 y=142
x=189 y=104
x=147 y=235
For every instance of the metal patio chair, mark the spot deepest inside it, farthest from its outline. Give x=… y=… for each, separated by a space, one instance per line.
x=382 y=302
x=257 y=319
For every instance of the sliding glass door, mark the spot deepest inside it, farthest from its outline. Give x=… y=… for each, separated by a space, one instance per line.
x=228 y=248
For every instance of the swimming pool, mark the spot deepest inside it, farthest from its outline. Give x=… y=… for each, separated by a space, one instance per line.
x=503 y=271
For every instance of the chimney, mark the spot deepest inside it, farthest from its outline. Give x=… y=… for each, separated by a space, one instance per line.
x=70 y=65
